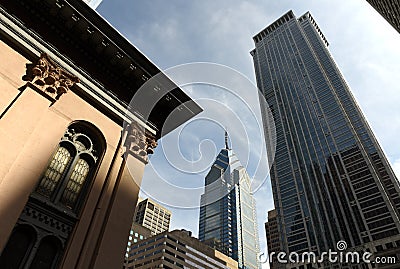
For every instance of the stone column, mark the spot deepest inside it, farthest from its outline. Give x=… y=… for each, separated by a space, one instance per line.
x=111 y=241
x=26 y=139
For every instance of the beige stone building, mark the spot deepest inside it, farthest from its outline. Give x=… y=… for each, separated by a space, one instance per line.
x=72 y=156
x=153 y=216
x=176 y=249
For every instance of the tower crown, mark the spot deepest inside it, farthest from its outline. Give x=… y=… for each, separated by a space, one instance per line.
x=226 y=139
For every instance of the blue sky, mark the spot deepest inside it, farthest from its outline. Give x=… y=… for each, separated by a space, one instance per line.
x=176 y=32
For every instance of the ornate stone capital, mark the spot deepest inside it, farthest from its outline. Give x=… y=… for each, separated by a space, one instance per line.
x=48 y=77
x=140 y=142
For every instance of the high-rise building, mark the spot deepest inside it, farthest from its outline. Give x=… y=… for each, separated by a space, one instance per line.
x=177 y=249
x=227 y=210
x=389 y=9
x=273 y=239
x=67 y=141
x=330 y=178
x=152 y=216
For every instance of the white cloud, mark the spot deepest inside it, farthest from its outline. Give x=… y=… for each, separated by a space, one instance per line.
x=396 y=168
x=363 y=44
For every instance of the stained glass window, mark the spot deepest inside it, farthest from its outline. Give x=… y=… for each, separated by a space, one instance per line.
x=54 y=172
x=75 y=183
x=80 y=146
x=72 y=164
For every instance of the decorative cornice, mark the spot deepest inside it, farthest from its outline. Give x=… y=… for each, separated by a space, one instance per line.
x=48 y=77
x=101 y=55
x=140 y=142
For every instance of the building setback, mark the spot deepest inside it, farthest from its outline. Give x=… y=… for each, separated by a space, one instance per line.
x=177 y=249
x=152 y=216
x=389 y=9
x=330 y=178
x=67 y=140
x=228 y=219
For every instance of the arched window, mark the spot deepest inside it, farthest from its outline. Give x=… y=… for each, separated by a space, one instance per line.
x=54 y=171
x=72 y=166
x=18 y=247
x=47 y=254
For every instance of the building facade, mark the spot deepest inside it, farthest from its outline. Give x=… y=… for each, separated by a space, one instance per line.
x=152 y=216
x=331 y=181
x=136 y=234
x=177 y=249
x=72 y=155
x=228 y=219
x=389 y=9
x=273 y=239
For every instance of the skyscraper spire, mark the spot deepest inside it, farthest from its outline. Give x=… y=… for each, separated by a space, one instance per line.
x=228 y=219
x=226 y=139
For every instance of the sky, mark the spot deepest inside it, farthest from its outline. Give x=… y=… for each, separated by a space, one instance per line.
x=175 y=33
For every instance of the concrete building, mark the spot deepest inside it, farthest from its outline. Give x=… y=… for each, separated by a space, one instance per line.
x=331 y=180
x=273 y=240
x=70 y=168
x=228 y=219
x=136 y=234
x=152 y=216
x=177 y=249
x=389 y=9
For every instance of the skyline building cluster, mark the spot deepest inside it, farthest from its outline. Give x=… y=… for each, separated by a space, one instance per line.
x=66 y=189
x=330 y=179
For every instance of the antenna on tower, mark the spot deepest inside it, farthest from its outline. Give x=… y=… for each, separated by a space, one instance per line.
x=226 y=139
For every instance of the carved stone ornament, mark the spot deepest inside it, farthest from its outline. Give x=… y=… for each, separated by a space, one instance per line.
x=50 y=78
x=140 y=142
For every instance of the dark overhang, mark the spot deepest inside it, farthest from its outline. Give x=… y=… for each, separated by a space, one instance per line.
x=107 y=58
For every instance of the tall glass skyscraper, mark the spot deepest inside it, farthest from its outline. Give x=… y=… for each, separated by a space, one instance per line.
x=389 y=9
x=330 y=178
x=228 y=219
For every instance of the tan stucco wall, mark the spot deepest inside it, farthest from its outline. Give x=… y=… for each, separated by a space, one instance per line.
x=12 y=67
x=230 y=263
x=30 y=130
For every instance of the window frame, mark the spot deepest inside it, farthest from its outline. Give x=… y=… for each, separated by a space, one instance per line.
x=92 y=155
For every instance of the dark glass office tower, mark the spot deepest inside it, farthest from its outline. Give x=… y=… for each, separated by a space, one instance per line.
x=330 y=178
x=228 y=212
x=389 y=9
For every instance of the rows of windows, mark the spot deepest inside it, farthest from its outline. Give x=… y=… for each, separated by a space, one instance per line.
x=294 y=119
